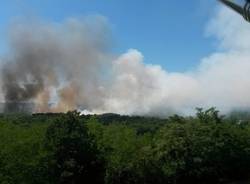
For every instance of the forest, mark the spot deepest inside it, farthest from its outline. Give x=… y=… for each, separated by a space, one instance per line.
x=69 y=148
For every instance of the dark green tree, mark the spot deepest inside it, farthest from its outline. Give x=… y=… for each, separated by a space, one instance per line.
x=73 y=154
x=210 y=115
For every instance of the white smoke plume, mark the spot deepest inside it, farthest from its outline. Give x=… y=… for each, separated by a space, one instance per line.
x=221 y=80
x=71 y=63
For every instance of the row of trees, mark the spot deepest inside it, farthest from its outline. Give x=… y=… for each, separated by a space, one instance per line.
x=73 y=149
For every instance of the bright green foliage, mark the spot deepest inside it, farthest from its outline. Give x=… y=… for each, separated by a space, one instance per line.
x=202 y=153
x=21 y=151
x=113 y=149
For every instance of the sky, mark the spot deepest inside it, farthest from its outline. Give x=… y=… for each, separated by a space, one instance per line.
x=167 y=32
x=167 y=57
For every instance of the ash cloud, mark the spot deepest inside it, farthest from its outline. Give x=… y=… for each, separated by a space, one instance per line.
x=71 y=66
x=66 y=58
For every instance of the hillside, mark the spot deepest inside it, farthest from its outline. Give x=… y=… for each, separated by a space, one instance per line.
x=69 y=148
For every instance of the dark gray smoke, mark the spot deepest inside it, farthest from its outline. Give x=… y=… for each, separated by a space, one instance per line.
x=65 y=58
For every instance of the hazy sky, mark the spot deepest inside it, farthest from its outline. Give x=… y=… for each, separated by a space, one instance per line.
x=168 y=32
x=166 y=61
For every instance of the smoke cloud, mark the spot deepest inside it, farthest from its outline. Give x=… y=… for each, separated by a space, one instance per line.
x=68 y=66
x=61 y=59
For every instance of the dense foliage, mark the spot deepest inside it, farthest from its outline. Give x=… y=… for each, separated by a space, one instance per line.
x=113 y=149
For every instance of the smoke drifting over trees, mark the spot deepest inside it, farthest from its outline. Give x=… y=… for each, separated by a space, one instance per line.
x=72 y=64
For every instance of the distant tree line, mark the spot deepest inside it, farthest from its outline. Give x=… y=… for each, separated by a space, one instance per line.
x=111 y=149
